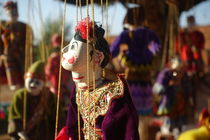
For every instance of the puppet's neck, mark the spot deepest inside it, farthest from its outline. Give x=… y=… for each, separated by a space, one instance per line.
x=89 y=81
x=13 y=19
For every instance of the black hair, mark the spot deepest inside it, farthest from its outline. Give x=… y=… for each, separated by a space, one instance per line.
x=134 y=16
x=101 y=44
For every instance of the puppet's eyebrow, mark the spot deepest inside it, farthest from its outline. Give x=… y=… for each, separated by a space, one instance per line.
x=75 y=42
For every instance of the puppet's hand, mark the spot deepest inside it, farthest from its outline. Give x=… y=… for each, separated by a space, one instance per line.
x=63 y=135
x=154 y=47
x=23 y=136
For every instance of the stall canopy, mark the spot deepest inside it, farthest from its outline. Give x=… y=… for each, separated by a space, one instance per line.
x=182 y=4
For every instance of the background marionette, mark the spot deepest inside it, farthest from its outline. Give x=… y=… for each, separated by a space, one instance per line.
x=33 y=109
x=170 y=96
x=104 y=103
x=12 y=46
x=136 y=59
x=190 y=46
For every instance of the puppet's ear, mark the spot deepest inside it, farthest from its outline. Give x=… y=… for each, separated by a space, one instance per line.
x=98 y=57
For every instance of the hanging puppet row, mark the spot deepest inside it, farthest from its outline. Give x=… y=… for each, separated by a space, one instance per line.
x=109 y=90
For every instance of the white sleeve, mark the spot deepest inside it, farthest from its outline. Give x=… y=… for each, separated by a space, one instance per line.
x=157 y=88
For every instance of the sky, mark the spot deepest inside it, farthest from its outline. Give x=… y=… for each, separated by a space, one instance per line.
x=36 y=12
x=53 y=9
x=200 y=11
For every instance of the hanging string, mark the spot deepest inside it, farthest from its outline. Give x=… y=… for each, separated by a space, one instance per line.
x=77 y=11
x=78 y=113
x=1 y=62
x=102 y=18
x=80 y=6
x=28 y=61
x=107 y=4
x=113 y=18
x=102 y=13
x=88 y=76
x=44 y=53
x=24 y=110
x=79 y=92
x=28 y=42
x=171 y=33
x=134 y=15
x=93 y=65
x=164 y=56
x=60 y=74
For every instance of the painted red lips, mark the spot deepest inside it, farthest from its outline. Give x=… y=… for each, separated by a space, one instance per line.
x=71 y=60
x=79 y=78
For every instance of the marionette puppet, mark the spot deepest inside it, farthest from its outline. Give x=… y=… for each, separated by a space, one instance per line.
x=105 y=106
x=190 y=46
x=167 y=82
x=169 y=94
x=12 y=46
x=40 y=108
x=142 y=46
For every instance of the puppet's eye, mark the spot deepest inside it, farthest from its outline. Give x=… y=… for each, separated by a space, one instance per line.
x=74 y=46
x=65 y=49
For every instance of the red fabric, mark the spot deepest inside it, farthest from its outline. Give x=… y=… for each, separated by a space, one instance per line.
x=63 y=134
x=185 y=43
x=3 y=77
x=52 y=73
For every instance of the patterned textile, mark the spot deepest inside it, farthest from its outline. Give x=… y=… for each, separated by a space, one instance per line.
x=143 y=101
x=118 y=119
x=100 y=100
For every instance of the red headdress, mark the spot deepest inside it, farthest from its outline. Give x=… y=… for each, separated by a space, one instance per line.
x=84 y=27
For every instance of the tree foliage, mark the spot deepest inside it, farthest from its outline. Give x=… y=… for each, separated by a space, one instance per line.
x=49 y=28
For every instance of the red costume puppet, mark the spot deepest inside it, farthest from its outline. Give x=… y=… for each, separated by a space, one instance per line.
x=189 y=46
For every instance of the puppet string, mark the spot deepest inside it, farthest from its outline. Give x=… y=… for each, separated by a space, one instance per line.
x=59 y=80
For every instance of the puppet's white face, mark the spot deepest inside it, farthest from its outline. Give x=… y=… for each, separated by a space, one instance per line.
x=34 y=86
x=75 y=56
x=12 y=13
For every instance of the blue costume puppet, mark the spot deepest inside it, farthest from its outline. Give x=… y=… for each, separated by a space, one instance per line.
x=168 y=89
x=142 y=45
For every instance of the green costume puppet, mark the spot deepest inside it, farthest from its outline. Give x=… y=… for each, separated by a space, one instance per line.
x=40 y=108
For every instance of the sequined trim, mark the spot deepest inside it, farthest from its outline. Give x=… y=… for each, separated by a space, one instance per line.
x=100 y=100
x=134 y=67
